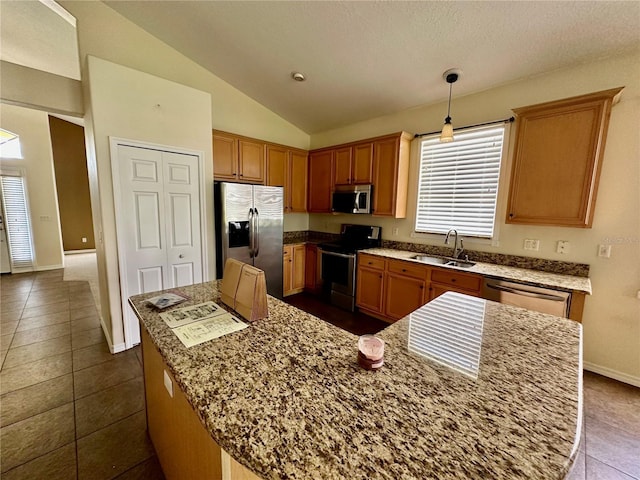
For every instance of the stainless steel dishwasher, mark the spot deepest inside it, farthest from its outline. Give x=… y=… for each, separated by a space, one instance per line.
x=544 y=300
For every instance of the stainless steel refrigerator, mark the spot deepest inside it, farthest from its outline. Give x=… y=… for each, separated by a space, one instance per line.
x=249 y=221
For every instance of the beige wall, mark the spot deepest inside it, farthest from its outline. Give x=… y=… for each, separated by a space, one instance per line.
x=125 y=103
x=104 y=33
x=612 y=314
x=72 y=182
x=33 y=128
x=41 y=90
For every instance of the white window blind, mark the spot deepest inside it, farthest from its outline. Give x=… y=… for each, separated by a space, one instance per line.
x=458 y=184
x=17 y=223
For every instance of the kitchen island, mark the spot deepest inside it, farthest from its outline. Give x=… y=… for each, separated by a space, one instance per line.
x=286 y=398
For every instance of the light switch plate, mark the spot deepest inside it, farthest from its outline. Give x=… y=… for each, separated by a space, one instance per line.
x=604 y=251
x=168 y=384
x=562 y=247
x=530 y=244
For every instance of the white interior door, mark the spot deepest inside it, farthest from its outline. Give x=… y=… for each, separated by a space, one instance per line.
x=158 y=224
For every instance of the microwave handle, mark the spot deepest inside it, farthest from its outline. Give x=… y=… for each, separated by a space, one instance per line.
x=356 y=201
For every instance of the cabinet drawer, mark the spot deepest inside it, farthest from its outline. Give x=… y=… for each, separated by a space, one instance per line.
x=408 y=269
x=456 y=279
x=371 y=261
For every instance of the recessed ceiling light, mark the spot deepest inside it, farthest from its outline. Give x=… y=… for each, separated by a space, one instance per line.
x=298 y=77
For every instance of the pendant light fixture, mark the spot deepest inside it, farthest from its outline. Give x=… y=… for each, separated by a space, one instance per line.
x=451 y=77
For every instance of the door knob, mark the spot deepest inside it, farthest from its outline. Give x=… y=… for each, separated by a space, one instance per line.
x=181 y=256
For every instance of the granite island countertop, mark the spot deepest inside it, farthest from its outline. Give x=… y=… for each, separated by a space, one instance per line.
x=532 y=277
x=286 y=398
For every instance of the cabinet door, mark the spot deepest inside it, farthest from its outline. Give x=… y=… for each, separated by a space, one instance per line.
x=385 y=178
x=297 y=274
x=362 y=171
x=343 y=166
x=225 y=157
x=437 y=289
x=251 y=161
x=369 y=289
x=557 y=160
x=277 y=159
x=320 y=181
x=403 y=295
x=311 y=271
x=297 y=181
x=287 y=270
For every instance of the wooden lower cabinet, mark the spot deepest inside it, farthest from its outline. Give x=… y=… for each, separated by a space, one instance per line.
x=293 y=264
x=185 y=449
x=369 y=289
x=391 y=289
x=403 y=295
x=444 y=280
x=312 y=269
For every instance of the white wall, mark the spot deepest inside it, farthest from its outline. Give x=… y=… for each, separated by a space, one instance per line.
x=122 y=102
x=33 y=128
x=612 y=314
x=41 y=90
x=106 y=34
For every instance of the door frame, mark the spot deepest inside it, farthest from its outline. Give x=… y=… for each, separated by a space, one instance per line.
x=114 y=143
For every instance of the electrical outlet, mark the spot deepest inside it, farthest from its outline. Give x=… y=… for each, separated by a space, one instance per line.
x=45 y=218
x=395 y=231
x=168 y=384
x=604 y=251
x=84 y=239
x=562 y=246
x=530 y=244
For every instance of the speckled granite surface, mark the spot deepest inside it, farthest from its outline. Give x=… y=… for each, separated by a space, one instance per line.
x=544 y=265
x=533 y=277
x=309 y=236
x=286 y=398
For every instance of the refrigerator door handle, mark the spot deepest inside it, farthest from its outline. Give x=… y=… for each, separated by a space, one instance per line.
x=257 y=234
x=251 y=234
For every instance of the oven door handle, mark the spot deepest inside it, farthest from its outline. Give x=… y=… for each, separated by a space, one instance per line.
x=526 y=293
x=335 y=254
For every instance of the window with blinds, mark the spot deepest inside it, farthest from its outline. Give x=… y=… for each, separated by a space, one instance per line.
x=16 y=222
x=458 y=184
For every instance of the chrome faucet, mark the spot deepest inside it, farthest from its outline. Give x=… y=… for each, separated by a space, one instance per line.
x=456 y=251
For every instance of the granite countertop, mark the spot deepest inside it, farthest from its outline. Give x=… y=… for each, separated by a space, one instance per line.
x=533 y=277
x=287 y=399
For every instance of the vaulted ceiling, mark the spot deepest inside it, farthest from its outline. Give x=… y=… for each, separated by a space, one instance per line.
x=364 y=59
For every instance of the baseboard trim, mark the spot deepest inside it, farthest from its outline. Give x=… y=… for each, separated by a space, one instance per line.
x=49 y=267
x=112 y=348
x=609 y=372
x=74 y=252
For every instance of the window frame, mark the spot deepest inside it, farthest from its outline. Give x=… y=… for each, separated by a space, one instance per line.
x=499 y=194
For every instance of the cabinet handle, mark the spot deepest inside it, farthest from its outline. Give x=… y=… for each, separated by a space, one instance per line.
x=453 y=280
x=370 y=263
x=404 y=269
x=380 y=276
x=511 y=215
x=421 y=287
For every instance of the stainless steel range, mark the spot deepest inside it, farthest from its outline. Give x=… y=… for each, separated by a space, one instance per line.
x=339 y=262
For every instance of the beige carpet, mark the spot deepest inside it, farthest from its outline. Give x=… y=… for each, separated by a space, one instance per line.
x=82 y=266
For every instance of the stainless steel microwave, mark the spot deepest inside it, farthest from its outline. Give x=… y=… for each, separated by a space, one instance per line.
x=351 y=199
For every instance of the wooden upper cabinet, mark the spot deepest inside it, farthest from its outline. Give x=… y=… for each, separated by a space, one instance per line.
x=342 y=169
x=297 y=181
x=557 y=160
x=237 y=158
x=288 y=168
x=225 y=156
x=362 y=170
x=391 y=175
x=320 y=181
x=251 y=161
x=353 y=164
x=277 y=164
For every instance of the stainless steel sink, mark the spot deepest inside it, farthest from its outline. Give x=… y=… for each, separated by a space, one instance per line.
x=431 y=260
x=460 y=264
x=452 y=262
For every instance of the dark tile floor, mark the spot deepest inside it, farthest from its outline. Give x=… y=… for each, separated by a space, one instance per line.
x=69 y=409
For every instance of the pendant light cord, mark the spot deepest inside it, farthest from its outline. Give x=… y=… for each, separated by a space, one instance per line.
x=449 y=107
